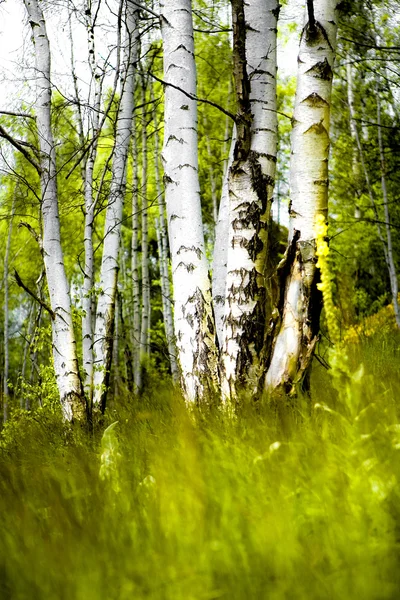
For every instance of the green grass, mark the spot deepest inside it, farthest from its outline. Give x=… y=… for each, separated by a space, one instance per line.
x=282 y=502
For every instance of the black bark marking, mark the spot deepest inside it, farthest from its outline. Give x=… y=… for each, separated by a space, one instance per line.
x=321 y=70
x=187 y=165
x=190 y=267
x=205 y=359
x=275 y=11
x=315 y=101
x=174 y=138
x=249 y=217
x=197 y=251
x=317 y=128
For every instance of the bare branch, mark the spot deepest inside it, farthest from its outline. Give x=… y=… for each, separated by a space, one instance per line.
x=17 y=114
x=193 y=97
x=33 y=232
x=311 y=16
x=22 y=285
x=18 y=146
x=145 y=8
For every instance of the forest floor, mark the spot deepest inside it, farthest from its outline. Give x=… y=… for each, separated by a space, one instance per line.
x=288 y=500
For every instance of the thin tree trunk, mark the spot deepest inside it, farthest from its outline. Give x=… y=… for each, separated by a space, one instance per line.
x=194 y=320
x=220 y=255
x=105 y=314
x=28 y=339
x=162 y=241
x=88 y=300
x=144 y=346
x=211 y=175
x=391 y=264
x=6 y=393
x=251 y=181
x=127 y=349
x=64 y=345
x=301 y=301
x=135 y=261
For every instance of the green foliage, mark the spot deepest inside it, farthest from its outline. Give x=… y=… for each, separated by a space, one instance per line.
x=282 y=502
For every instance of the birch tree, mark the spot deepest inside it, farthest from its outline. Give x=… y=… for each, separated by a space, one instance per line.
x=135 y=337
x=162 y=243
x=299 y=310
x=193 y=314
x=105 y=312
x=64 y=344
x=251 y=181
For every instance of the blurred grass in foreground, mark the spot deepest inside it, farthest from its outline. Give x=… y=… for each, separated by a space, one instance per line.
x=282 y=502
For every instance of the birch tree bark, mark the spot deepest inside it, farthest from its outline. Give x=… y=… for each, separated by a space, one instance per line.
x=105 y=313
x=220 y=255
x=63 y=338
x=162 y=242
x=300 y=302
x=145 y=323
x=251 y=181
x=135 y=337
x=194 y=319
x=88 y=300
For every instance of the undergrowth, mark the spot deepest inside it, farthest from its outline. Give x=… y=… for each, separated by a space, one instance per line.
x=285 y=501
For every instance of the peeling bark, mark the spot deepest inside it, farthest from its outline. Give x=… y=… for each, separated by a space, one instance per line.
x=299 y=312
x=251 y=178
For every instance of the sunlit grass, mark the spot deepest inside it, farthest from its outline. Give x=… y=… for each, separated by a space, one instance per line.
x=283 y=502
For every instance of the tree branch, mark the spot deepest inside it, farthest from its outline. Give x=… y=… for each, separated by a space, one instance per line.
x=374 y=46
x=193 y=97
x=311 y=16
x=33 y=232
x=17 y=114
x=21 y=284
x=145 y=8
x=18 y=146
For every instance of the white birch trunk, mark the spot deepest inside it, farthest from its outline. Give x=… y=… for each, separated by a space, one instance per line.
x=211 y=175
x=194 y=320
x=251 y=181
x=88 y=300
x=105 y=312
x=220 y=255
x=162 y=242
x=297 y=335
x=144 y=346
x=64 y=345
x=135 y=262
